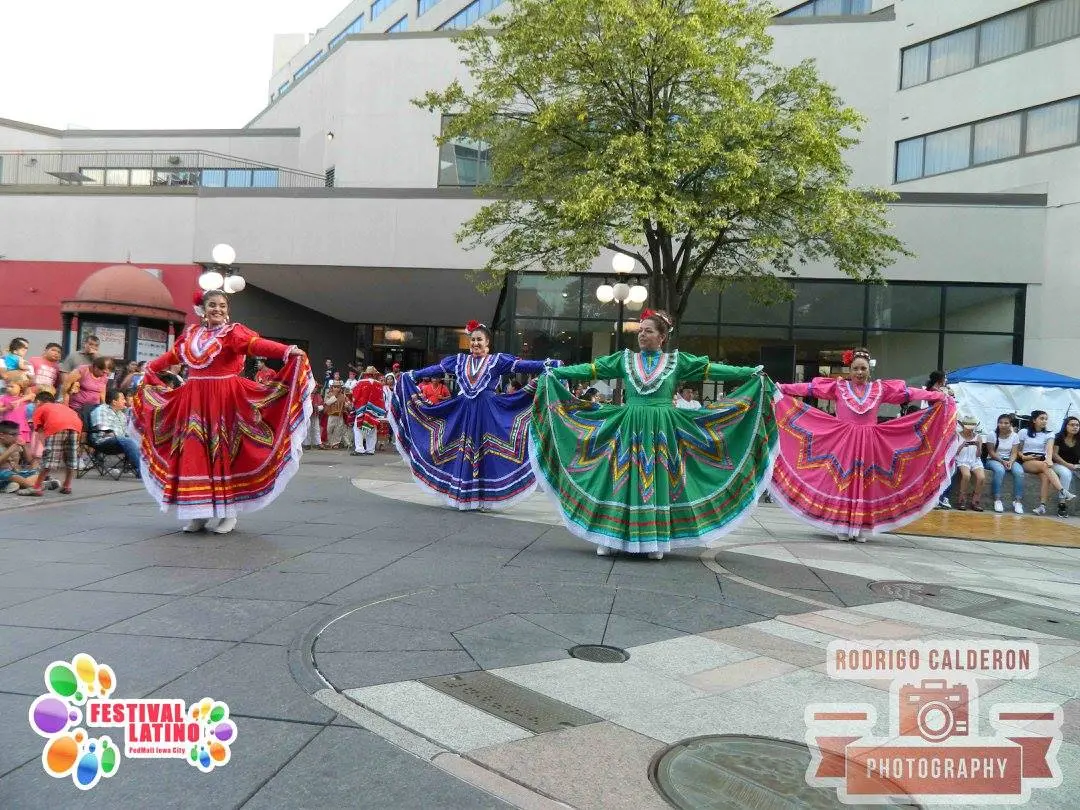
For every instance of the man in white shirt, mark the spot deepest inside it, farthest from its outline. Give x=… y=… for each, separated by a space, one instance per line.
x=685 y=401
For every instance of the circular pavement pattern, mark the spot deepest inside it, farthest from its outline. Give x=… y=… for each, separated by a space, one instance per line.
x=486 y=626
x=733 y=772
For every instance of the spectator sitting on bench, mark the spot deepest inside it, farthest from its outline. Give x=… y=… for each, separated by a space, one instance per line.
x=108 y=428
x=969 y=460
x=1002 y=456
x=1067 y=457
x=1037 y=455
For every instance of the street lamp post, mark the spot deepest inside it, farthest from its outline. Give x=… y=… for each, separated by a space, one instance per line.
x=219 y=275
x=631 y=296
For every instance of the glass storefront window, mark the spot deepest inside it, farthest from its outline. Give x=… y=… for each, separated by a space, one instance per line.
x=820 y=352
x=539 y=339
x=905 y=306
x=974 y=350
x=549 y=296
x=909 y=356
x=981 y=309
x=829 y=304
x=413 y=337
x=701 y=308
x=450 y=341
x=738 y=305
x=699 y=339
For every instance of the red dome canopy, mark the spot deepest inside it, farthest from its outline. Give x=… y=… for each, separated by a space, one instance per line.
x=124 y=289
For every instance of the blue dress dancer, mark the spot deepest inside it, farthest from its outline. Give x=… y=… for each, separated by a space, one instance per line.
x=470 y=450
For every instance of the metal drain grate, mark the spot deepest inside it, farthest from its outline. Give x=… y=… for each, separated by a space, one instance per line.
x=508 y=701
x=733 y=772
x=599 y=653
x=942 y=597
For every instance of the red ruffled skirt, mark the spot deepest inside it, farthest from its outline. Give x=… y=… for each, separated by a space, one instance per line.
x=843 y=477
x=219 y=446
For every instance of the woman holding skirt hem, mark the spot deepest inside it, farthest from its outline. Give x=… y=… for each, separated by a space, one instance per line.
x=647 y=477
x=221 y=444
x=851 y=476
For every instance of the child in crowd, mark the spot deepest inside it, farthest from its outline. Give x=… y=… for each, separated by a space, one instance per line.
x=15 y=359
x=969 y=460
x=13 y=405
x=16 y=468
x=60 y=426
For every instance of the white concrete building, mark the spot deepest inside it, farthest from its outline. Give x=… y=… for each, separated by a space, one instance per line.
x=343 y=210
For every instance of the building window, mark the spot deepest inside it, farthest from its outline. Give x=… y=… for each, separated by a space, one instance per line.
x=1033 y=26
x=829 y=8
x=355 y=27
x=1049 y=126
x=378 y=7
x=464 y=162
x=399 y=26
x=1052 y=126
x=470 y=14
x=281 y=90
x=424 y=6
x=328 y=181
x=308 y=65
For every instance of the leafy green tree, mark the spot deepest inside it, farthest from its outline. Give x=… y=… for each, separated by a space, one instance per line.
x=660 y=129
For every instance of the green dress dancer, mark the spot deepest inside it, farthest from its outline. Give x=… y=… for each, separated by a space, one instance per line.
x=647 y=477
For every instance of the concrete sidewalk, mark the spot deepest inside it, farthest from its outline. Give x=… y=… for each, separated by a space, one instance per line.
x=377 y=651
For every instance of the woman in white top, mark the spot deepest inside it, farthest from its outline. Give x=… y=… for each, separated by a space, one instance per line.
x=1002 y=452
x=1037 y=455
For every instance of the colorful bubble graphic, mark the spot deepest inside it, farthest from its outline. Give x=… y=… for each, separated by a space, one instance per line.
x=49 y=715
x=69 y=750
x=218 y=733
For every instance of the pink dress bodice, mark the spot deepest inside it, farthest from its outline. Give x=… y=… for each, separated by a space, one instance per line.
x=858 y=404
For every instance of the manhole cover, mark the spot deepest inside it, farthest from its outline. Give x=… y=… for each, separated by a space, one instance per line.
x=599 y=653
x=508 y=701
x=732 y=771
x=937 y=596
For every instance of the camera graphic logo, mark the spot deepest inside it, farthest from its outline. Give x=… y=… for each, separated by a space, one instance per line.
x=934 y=710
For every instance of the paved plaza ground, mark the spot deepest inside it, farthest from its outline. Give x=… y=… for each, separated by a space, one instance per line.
x=377 y=651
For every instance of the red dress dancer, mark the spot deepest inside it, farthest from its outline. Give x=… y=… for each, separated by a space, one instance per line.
x=369 y=410
x=847 y=473
x=221 y=444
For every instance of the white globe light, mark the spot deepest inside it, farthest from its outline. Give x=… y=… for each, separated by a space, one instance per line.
x=621 y=263
x=638 y=294
x=634 y=305
x=211 y=280
x=223 y=254
x=234 y=284
x=605 y=293
x=621 y=292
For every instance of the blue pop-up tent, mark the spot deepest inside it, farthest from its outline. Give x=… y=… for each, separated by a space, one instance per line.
x=986 y=392
x=1007 y=374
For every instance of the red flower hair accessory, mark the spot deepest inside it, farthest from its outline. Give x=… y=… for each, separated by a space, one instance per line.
x=197 y=302
x=849 y=357
x=472 y=326
x=646 y=313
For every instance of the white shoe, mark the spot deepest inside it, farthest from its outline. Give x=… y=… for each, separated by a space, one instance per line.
x=998 y=505
x=1039 y=510
x=604 y=551
x=1018 y=507
x=196 y=525
x=944 y=504
x=858 y=537
x=10 y=487
x=841 y=537
x=1065 y=496
x=656 y=555
x=225 y=525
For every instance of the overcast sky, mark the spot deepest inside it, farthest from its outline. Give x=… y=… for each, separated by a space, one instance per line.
x=152 y=64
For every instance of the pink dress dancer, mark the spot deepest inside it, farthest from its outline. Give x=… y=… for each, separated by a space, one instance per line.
x=847 y=474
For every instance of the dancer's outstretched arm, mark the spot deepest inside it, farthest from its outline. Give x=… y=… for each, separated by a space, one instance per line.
x=609 y=367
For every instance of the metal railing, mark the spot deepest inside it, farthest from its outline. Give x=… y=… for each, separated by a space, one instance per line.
x=135 y=169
